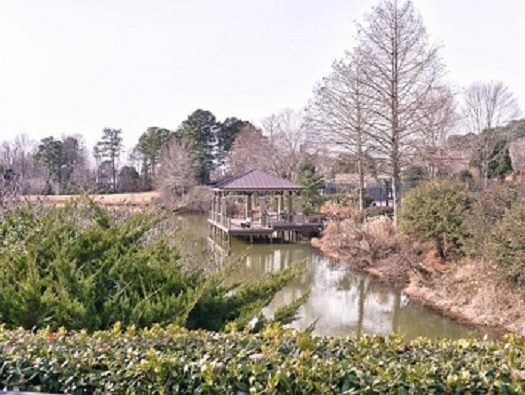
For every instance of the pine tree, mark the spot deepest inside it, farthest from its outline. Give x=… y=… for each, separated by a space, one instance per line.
x=149 y=147
x=201 y=130
x=109 y=148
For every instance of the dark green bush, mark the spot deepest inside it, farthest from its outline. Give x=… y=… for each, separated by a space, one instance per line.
x=177 y=361
x=82 y=267
x=465 y=176
x=434 y=213
x=488 y=207
x=507 y=244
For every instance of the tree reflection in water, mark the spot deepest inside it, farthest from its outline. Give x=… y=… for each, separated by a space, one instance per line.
x=344 y=303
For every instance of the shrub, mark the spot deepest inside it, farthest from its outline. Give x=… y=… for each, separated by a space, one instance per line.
x=465 y=176
x=488 y=207
x=82 y=267
x=276 y=361
x=507 y=244
x=434 y=213
x=351 y=199
x=414 y=176
x=374 y=211
x=341 y=206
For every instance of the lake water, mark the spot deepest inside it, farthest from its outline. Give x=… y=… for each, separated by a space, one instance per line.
x=341 y=302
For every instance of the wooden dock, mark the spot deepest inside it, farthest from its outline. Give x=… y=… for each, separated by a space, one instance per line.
x=270 y=227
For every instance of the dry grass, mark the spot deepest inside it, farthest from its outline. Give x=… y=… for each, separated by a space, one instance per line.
x=373 y=247
x=471 y=291
x=337 y=211
x=142 y=199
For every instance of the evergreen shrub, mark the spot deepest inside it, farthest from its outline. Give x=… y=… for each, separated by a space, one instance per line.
x=506 y=247
x=434 y=213
x=83 y=267
x=488 y=208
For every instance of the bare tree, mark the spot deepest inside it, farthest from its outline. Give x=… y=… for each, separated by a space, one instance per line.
x=18 y=155
x=287 y=133
x=435 y=127
x=486 y=106
x=250 y=150
x=517 y=154
x=340 y=112
x=400 y=70
x=178 y=167
x=77 y=161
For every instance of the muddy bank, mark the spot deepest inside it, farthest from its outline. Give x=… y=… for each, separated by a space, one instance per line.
x=467 y=291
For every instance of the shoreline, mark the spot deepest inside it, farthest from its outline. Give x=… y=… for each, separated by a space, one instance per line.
x=464 y=302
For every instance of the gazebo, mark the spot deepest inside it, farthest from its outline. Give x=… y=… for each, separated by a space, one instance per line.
x=255 y=188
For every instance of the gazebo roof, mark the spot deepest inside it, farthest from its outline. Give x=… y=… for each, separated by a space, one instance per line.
x=256 y=180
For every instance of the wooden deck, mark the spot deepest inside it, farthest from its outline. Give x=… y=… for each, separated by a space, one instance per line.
x=267 y=227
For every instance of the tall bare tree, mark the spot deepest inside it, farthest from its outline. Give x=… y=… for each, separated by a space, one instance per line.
x=340 y=112
x=287 y=133
x=486 y=106
x=435 y=127
x=250 y=150
x=178 y=168
x=18 y=155
x=400 y=70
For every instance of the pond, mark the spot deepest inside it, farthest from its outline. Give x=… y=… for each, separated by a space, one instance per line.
x=341 y=302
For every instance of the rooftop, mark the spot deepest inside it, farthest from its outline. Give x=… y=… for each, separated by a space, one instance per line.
x=256 y=180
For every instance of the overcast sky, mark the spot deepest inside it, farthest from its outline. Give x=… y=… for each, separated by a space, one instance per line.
x=77 y=66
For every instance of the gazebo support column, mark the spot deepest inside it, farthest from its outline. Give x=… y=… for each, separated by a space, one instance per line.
x=214 y=205
x=299 y=208
x=249 y=210
x=290 y=206
x=223 y=210
x=279 y=204
x=262 y=207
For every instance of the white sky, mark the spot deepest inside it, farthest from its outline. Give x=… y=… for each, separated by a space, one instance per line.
x=77 y=66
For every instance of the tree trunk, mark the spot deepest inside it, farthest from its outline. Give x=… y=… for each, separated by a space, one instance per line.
x=396 y=177
x=396 y=191
x=360 y=169
x=114 y=174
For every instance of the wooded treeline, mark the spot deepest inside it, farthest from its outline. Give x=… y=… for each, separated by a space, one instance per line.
x=386 y=110
x=202 y=149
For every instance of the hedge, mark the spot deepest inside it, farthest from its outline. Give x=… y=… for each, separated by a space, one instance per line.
x=172 y=360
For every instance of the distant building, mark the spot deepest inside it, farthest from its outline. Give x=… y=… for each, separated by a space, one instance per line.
x=378 y=188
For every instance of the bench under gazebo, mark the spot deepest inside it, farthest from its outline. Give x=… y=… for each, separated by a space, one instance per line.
x=273 y=207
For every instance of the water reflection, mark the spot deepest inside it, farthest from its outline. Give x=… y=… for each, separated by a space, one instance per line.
x=343 y=303
x=351 y=304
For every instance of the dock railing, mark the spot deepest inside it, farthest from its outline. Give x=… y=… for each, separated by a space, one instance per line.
x=222 y=220
x=268 y=220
